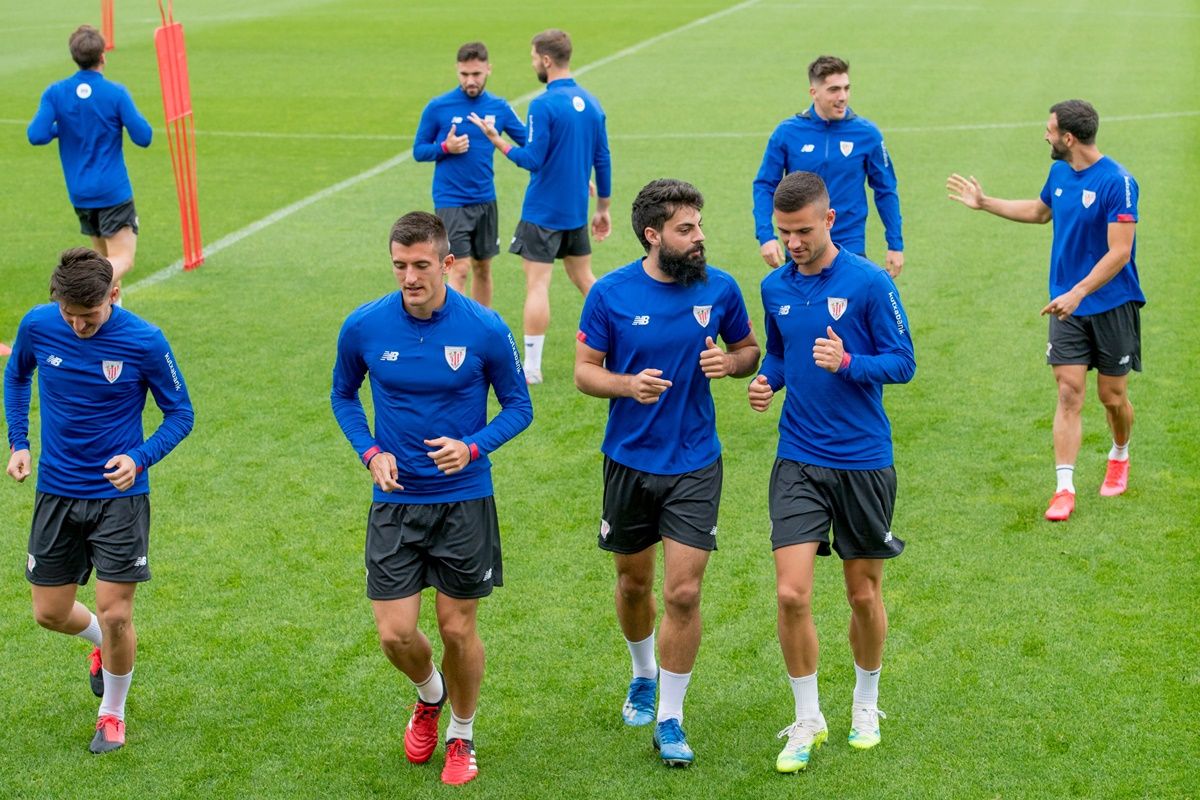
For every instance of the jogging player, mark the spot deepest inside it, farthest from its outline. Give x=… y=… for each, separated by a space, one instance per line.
x=431 y=355
x=95 y=363
x=647 y=341
x=836 y=333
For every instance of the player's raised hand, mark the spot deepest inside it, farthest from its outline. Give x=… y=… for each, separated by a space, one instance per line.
x=714 y=362
x=760 y=393
x=18 y=465
x=489 y=130
x=772 y=253
x=456 y=143
x=124 y=471
x=648 y=385
x=828 y=353
x=601 y=225
x=384 y=471
x=450 y=456
x=965 y=190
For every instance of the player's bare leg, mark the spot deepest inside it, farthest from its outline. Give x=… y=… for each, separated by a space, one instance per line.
x=121 y=249
x=481 y=281
x=679 y=631
x=579 y=270
x=868 y=629
x=794 y=585
x=1114 y=394
x=114 y=610
x=55 y=608
x=400 y=639
x=463 y=659
x=537 y=315
x=636 y=611
x=457 y=276
x=1068 y=433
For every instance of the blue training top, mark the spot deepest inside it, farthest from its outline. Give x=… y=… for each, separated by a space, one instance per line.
x=429 y=378
x=835 y=420
x=92 y=392
x=1083 y=204
x=844 y=153
x=463 y=179
x=86 y=113
x=641 y=323
x=567 y=139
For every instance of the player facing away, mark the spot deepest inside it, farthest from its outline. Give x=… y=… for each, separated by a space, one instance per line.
x=87 y=113
x=647 y=341
x=1095 y=297
x=95 y=363
x=845 y=150
x=464 y=189
x=431 y=355
x=567 y=140
x=836 y=333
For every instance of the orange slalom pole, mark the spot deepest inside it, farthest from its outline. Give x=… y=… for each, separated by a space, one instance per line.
x=181 y=131
x=106 y=24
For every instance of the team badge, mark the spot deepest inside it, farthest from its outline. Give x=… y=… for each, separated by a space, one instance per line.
x=455 y=356
x=836 y=306
x=605 y=528
x=1088 y=198
x=577 y=103
x=83 y=91
x=490 y=119
x=702 y=314
x=112 y=369
x=847 y=147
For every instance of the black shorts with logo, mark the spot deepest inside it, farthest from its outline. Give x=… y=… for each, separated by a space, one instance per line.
x=70 y=536
x=535 y=243
x=641 y=508
x=105 y=222
x=1109 y=342
x=474 y=231
x=453 y=547
x=806 y=501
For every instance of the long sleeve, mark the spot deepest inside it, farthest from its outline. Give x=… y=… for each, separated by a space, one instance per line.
x=43 y=128
x=894 y=360
x=881 y=177
x=770 y=173
x=603 y=162
x=532 y=154
x=18 y=388
x=508 y=381
x=513 y=126
x=348 y=372
x=772 y=364
x=425 y=144
x=171 y=395
x=140 y=132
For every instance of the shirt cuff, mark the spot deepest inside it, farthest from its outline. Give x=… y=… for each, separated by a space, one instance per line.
x=367 y=456
x=474 y=448
x=845 y=362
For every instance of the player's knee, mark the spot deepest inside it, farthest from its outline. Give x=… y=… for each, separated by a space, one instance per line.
x=399 y=640
x=1070 y=397
x=457 y=630
x=1113 y=398
x=115 y=622
x=50 y=617
x=795 y=600
x=865 y=599
x=634 y=588
x=683 y=597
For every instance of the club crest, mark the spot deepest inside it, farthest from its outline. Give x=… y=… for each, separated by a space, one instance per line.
x=847 y=147
x=112 y=369
x=702 y=314
x=836 y=306
x=455 y=356
x=1088 y=198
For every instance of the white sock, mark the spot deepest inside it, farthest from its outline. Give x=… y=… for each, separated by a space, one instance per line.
x=116 y=687
x=672 y=687
x=460 y=728
x=533 y=352
x=804 y=690
x=642 y=654
x=432 y=689
x=1066 y=478
x=1119 y=452
x=866 y=686
x=92 y=632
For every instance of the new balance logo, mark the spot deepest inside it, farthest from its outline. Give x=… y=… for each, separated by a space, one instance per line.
x=140 y=561
x=53 y=361
x=713 y=532
x=1124 y=360
x=643 y=319
x=487 y=576
x=785 y=310
x=390 y=355
x=887 y=537
x=808 y=148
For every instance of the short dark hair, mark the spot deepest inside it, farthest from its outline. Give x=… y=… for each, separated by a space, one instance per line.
x=83 y=277
x=825 y=66
x=472 y=51
x=658 y=201
x=1078 y=118
x=420 y=226
x=87 y=47
x=554 y=43
x=800 y=189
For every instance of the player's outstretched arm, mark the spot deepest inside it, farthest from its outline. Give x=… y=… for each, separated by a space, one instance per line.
x=19 y=465
x=969 y=192
x=593 y=378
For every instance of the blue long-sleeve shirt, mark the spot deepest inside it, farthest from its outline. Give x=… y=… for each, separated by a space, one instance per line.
x=92 y=392
x=86 y=113
x=829 y=419
x=845 y=153
x=567 y=140
x=463 y=179
x=429 y=378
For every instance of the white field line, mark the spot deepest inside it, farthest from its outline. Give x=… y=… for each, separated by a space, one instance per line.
x=254 y=227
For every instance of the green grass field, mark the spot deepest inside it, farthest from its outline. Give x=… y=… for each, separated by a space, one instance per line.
x=1025 y=660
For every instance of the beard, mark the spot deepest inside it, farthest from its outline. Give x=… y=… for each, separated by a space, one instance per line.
x=1057 y=154
x=683 y=267
x=475 y=91
x=542 y=75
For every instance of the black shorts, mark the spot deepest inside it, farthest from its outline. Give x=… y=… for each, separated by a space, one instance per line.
x=105 y=222
x=543 y=245
x=70 y=536
x=640 y=508
x=453 y=547
x=807 y=500
x=1109 y=342
x=473 y=231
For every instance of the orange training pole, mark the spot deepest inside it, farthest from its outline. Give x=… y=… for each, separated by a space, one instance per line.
x=106 y=24
x=181 y=130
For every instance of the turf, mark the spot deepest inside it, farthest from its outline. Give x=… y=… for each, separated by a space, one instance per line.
x=1025 y=660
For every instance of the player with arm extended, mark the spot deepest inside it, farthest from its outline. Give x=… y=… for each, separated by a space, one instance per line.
x=1095 y=295
x=431 y=355
x=95 y=363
